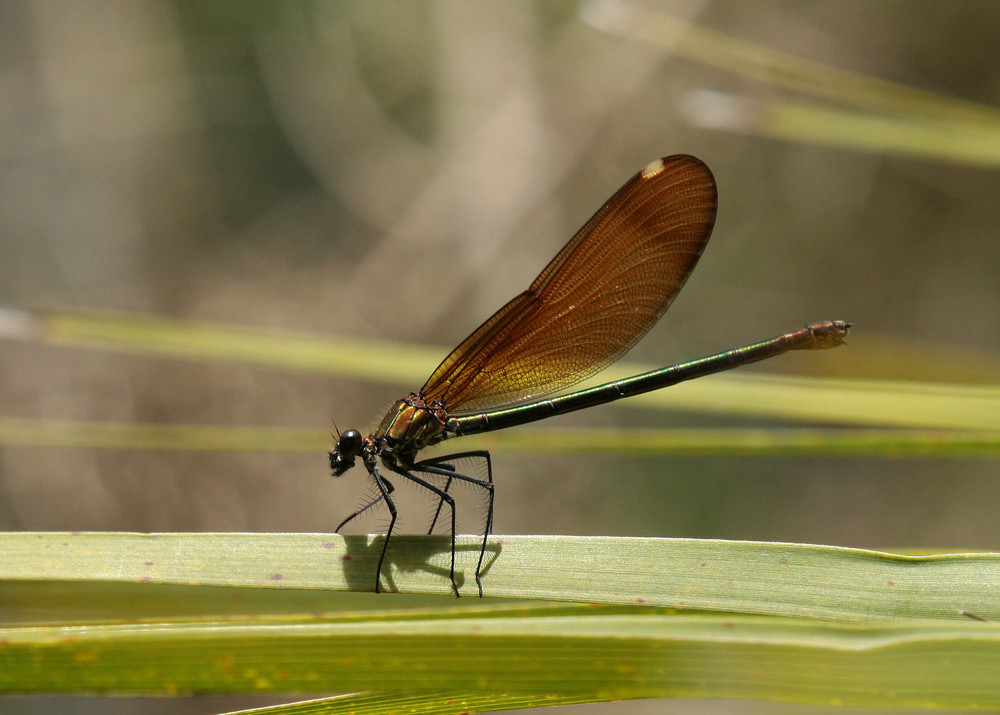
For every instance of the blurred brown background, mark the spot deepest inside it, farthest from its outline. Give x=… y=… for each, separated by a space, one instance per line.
x=399 y=170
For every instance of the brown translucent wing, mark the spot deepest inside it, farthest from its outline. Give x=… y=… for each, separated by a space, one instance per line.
x=599 y=295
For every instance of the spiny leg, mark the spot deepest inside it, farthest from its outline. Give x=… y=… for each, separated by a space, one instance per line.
x=445 y=497
x=386 y=488
x=442 y=466
x=437 y=511
x=363 y=509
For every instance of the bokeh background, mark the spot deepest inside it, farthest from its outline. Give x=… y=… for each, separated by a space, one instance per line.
x=399 y=170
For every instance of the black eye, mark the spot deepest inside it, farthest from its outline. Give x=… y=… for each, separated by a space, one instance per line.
x=349 y=445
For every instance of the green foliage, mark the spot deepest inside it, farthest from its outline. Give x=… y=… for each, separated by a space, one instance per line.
x=223 y=613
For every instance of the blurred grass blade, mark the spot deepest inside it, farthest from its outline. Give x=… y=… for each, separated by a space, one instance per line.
x=744 y=442
x=779 y=69
x=125 y=435
x=214 y=342
x=894 y=118
x=884 y=403
x=973 y=144
x=888 y=403
x=789 y=580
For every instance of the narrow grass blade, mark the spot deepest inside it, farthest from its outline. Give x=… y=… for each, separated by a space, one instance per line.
x=884 y=403
x=779 y=69
x=736 y=620
x=789 y=580
x=213 y=342
x=970 y=143
x=745 y=442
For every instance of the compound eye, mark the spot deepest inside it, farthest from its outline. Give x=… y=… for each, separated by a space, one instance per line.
x=349 y=444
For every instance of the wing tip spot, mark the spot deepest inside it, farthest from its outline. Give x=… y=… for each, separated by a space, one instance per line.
x=653 y=168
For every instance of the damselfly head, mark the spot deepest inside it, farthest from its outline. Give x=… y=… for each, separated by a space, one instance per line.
x=348 y=447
